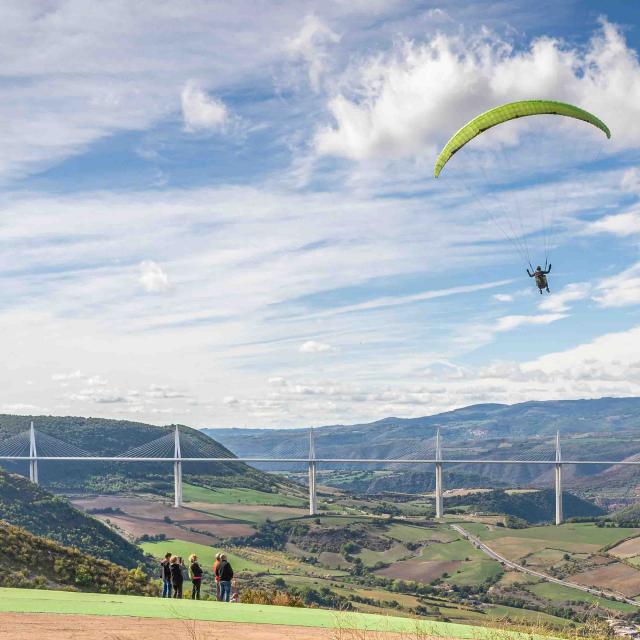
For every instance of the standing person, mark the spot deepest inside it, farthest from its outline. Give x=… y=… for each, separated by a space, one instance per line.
x=225 y=573
x=165 y=570
x=176 y=577
x=195 y=573
x=216 y=564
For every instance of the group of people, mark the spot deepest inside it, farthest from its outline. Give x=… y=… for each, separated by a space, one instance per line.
x=173 y=572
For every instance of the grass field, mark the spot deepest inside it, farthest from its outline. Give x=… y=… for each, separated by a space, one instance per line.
x=62 y=602
x=558 y=593
x=206 y=555
x=193 y=493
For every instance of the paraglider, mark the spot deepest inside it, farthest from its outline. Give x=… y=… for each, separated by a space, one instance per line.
x=490 y=119
x=541 y=278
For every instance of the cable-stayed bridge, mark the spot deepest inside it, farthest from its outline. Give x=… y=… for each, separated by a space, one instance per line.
x=34 y=446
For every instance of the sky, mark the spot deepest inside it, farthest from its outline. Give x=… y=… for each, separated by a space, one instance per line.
x=224 y=214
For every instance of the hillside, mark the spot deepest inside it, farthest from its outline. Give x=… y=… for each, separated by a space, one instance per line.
x=112 y=437
x=34 y=561
x=534 y=507
x=29 y=506
x=605 y=428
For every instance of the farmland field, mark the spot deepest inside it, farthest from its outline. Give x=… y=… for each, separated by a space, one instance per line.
x=193 y=493
x=617 y=577
x=559 y=593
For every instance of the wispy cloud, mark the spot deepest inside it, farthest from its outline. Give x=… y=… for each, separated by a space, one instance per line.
x=202 y=111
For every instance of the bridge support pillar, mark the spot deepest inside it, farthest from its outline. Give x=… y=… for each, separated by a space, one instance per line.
x=177 y=471
x=439 y=498
x=313 y=496
x=33 y=456
x=558 y=474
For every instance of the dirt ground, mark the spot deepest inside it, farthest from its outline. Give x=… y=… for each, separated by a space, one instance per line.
x=27 y=626
x=616 y=576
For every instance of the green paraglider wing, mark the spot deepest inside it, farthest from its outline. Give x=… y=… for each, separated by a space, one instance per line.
x=510 y=111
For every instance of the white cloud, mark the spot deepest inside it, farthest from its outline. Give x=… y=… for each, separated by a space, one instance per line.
x=313 y=346
x=508 y=323
x=559 y=302
x=311 y=44
x=620 y=224
x=200 y=110
x=630 y=181
x=503 y=297
x=406 y=103
x=152 y=278
x=620 y=290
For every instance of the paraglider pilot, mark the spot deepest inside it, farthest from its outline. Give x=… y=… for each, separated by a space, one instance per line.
x=541 y=278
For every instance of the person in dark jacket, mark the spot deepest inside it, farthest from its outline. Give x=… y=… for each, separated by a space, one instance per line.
x=225 y=573
x=176 y=577
x=195 y=573
x=165 y=574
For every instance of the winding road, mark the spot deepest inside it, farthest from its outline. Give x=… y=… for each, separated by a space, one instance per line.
x=476 y=542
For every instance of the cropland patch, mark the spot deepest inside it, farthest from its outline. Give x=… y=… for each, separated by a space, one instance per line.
x=143 y=515
x=615 y=576
x=424 y=571
x=626 y=549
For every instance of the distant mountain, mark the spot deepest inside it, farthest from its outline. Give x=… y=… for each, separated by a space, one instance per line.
x=605 y=428
x=112 y=437
x=32 y=561
x=27 y=505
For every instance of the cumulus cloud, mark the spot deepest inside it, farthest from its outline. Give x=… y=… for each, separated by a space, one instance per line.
x=201 y=111
x=559 y=302
x=152 y=278
x=620 y=290
x=313 y=346
x=310 y=44
x=620 y=224
x=508 y=323
x=400 y=105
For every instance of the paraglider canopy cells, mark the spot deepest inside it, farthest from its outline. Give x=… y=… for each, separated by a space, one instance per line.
x=511 y=111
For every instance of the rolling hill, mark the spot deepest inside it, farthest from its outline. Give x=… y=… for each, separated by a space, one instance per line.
x=34 y=561
x=30 y=507
x=112 y=437
x=605 y=428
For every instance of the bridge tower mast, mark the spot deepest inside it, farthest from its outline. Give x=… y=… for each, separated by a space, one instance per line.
x=313 y=496
x=559 y=516
x=33 y=456
x=439 y=499
x=177 y=470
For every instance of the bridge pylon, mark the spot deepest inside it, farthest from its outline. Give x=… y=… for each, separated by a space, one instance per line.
x=33 y=455
x=177 y=470
x=558 y=479
x=439 y=496
x=313 y=496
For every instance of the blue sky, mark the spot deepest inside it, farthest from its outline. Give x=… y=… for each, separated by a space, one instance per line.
x=224 y=214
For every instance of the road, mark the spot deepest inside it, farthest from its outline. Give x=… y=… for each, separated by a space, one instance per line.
x=601 y=593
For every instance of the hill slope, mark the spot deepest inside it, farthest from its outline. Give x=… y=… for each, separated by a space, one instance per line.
x=113 y=437
x=33 y=561
x=27 y=505
x=605 y=428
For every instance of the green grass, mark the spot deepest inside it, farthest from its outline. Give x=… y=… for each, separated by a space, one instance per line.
x=558 y=593
x=206 y=555
x=573 y=533
x=457 y=550
x=410 y=533
x=475 y=572
x=37 y=601
x=193 y=493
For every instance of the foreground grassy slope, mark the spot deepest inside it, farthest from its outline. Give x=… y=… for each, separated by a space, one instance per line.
x=22 y=600
x=32 y=561
x=29 y=506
